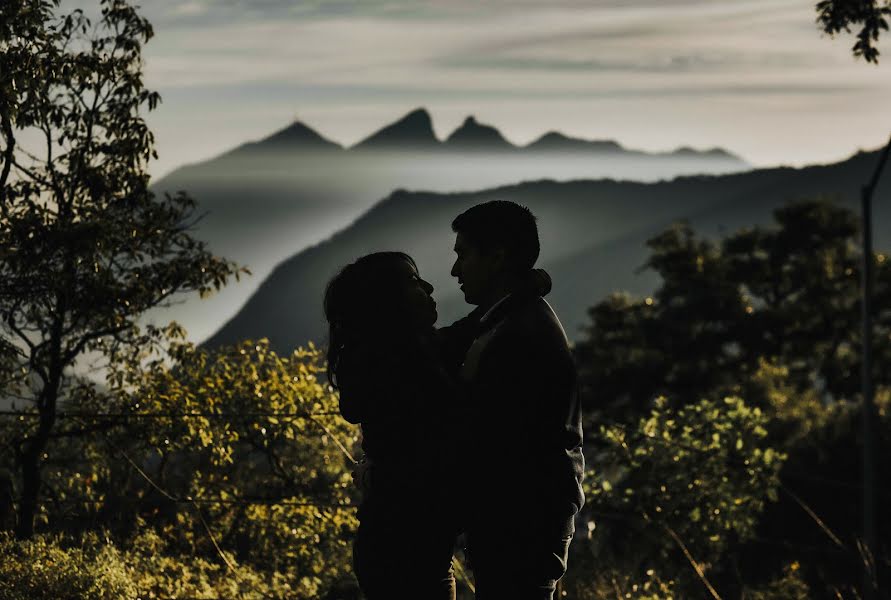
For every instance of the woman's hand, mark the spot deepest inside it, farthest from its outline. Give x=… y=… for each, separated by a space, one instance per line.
x=361 y=475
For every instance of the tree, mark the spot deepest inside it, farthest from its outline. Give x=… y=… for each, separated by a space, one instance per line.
x=86 y=248
x=237 y=457
x=770 y=315
x=670 y=498
x=836 y=16
x=787 y=294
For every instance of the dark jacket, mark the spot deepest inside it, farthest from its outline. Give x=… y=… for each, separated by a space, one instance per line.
x=405 y=402
x=523 y=444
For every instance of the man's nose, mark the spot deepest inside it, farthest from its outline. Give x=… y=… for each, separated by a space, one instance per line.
x=454 y=271
x=428 y=287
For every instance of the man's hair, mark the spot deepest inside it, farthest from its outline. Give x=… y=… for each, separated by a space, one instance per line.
x=501 y=224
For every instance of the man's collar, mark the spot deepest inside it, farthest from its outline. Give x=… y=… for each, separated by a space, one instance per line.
x=484 y=319
x=537 y=283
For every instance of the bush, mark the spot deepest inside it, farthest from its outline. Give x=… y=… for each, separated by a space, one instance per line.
x=249 y=495
x=52 y=567
x=46 y=568
x=684 y=486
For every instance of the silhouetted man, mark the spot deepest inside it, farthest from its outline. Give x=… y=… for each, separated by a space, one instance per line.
x=524 y=435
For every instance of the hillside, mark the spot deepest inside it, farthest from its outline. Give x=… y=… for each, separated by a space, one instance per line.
x=593 y=237
x=264 y=201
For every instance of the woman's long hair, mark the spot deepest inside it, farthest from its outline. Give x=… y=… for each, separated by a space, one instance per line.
x=360 y=304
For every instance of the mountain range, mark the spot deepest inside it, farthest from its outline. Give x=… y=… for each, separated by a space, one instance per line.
x=593 y=237
x=264 y=201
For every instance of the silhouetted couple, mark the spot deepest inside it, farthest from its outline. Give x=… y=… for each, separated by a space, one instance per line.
x=471 y=428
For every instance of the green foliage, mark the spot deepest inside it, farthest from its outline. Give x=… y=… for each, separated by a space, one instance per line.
x=214 y=474
x=790 y=586
x=45 y=569
x=157 y=573
x=786 y=295
x=836 y=16
x=686 y=484
x=86 y=248
x=589 y=579
x=51 y=567
x=273 y=434
x=723 y=443
x=769 y=315
x=237 y=457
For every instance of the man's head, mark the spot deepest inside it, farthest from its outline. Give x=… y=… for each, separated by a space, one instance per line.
x=497 y=242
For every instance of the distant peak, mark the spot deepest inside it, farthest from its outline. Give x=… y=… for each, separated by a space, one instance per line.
x=295 y=132
x=473 y=135
x=556 y=141
x=296 y=137
x=554 y=135
x=420 y=114
x=714 y=152
x=418 y=119
x=298 y=126
x=413 y=130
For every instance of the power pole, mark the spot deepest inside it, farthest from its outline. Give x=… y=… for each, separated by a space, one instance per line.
x=870 y=488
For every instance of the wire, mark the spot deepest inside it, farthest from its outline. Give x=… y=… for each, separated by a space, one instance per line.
x=263 y=502
x=171 y=415
x=800 y=475
x=348 y=506
x=229 y=566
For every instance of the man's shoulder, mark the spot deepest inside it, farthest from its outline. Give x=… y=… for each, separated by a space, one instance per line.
x=533 y=318
x=527 y=335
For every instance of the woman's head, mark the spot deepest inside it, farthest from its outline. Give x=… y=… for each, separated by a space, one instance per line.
x=379 y=296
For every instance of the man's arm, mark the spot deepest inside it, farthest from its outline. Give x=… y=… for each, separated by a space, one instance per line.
x=535 y=381
x=454 y=340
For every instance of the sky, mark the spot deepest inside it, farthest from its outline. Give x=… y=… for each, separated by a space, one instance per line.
x=756 y=77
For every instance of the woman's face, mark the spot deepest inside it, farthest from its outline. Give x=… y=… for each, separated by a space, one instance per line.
x=413 y=297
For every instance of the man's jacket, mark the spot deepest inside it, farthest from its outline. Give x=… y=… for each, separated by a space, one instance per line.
x=524 y=432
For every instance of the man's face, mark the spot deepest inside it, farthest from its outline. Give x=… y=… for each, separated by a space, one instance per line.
x=477 y=272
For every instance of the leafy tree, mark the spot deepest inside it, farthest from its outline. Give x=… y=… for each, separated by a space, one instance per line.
x=672 y=496
x=44 y=569
x=836 y=16
x=52 y=567
x=272 y=447
x=86 y=248
x=787 y=294
x=216 y=474
x=770 y=315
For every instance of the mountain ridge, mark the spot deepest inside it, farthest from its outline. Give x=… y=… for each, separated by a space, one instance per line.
x=475 y=136
x=414 y=130
x=265 y=200
x=593 y=238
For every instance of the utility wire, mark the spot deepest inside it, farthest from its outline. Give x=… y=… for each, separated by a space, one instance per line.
x=311 y=416
x=229 y=566
x=171 y=415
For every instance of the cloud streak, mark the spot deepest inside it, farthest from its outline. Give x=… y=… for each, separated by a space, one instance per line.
x=353 y=65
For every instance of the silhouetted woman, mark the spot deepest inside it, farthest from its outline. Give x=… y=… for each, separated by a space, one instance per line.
x=383 y=359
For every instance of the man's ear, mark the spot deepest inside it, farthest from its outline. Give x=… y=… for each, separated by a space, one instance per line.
x=499 y=258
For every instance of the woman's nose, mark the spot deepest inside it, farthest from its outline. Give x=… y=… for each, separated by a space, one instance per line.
x=428 y=287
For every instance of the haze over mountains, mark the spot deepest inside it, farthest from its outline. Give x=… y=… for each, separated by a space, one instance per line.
x=265 y=201
x=593 y=236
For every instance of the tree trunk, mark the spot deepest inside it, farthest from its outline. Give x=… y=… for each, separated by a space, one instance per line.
x=30 y=492
x=7 y=502
x=30 y=466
